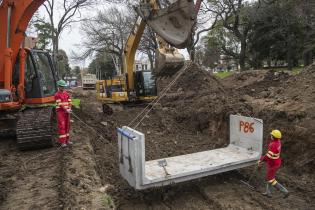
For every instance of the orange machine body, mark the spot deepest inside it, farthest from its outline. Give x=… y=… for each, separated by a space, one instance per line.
x=14 y=18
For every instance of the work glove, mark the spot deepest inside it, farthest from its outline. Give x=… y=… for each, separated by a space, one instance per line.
x=259 y=163
x=68 y=111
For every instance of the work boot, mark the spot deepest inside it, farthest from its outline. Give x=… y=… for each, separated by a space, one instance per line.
x=282 y=189
x=70 y=143
x=268 y=191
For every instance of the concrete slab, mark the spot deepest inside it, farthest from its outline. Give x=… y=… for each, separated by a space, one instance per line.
x=245 y=148
x=198 y=162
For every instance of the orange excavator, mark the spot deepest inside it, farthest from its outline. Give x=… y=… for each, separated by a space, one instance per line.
x=28 y=77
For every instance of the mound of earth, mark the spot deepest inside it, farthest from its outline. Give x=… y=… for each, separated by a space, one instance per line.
x=192 y=117
x=284 y=102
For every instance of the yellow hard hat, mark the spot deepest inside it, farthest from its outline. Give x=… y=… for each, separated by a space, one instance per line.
x=276 y=134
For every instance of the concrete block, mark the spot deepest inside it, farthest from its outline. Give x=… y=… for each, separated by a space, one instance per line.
x=245 y=148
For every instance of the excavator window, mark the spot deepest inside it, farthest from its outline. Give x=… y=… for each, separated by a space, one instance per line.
x=145 y=84
x=149 y=84
x=30 y=74
x=44 y=72
x=116 y=88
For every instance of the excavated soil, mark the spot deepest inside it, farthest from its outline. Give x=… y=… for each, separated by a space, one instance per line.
x=191 y=117
x=52 y=178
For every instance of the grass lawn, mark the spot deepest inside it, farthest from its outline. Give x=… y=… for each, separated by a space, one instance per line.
x=295 y=71
x=224 y=74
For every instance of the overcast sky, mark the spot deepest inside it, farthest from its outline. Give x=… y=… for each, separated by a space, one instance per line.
x=72 y=37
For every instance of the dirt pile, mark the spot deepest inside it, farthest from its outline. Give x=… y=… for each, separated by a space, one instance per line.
x=255 y=80
x=195 y=95
x=193 y=117
x=285 y=102
x=291 y=107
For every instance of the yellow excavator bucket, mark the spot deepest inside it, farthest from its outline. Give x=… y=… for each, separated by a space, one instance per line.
x=174 y=23
x=167 y=62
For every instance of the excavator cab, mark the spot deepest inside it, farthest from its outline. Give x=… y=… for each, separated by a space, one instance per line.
x=40 y=77
x=145 y=85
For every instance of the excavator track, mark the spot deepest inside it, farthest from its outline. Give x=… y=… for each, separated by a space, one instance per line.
x=34 y=128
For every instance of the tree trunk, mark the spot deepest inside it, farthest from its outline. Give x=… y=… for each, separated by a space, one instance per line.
x=290 y=60
x=151 y=60
x=308 y=58
x=243 y=55
x=55 y=41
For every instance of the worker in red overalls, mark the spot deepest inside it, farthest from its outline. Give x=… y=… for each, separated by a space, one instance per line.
x=273 y=162
x=63 y=109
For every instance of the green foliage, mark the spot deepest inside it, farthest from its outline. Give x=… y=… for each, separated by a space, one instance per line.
x=278 y=32
x=44 y=34
x=108 y=202
x=260 y=32
x=76 y=72
x=76 y=103
x=103 y=63
x=63 y=64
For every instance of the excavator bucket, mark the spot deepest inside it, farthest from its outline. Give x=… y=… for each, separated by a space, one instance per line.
x=174 y=23
x=167 y=63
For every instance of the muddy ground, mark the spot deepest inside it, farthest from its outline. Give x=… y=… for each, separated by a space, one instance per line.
x=193 y=116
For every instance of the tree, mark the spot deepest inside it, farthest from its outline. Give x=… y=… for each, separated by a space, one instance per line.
x=148 y=45
x=107 y=32
x=43 y=34
x=68 y=10
x=63 y=64
x=77 y=72
x=278 y=33
x=209 y=51
x=306 y=10
x=235 y=17
x=206 y=21
x=103 y=66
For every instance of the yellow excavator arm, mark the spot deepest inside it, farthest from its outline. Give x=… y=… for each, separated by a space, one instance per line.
x=131 y=48
x=173 y=25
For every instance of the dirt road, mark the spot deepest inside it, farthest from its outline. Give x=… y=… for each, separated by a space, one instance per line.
x=52 y=178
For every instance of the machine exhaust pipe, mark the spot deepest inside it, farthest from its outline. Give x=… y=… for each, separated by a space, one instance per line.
x=8 y=40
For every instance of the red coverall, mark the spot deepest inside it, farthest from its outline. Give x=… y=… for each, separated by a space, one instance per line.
x=273 y=160
x=63 y=103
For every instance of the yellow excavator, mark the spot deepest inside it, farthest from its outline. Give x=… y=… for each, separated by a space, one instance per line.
x=173 y=26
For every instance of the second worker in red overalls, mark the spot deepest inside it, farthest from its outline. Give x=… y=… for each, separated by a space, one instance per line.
x=63 y=110
x=273 y=162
